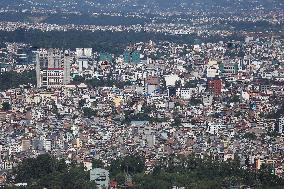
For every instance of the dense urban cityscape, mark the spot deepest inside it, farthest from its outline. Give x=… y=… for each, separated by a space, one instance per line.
x=131 y=94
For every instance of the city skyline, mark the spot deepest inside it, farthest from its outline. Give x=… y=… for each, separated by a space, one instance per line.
x=142 y=94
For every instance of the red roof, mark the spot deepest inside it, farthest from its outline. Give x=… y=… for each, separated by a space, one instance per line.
x=113 y=184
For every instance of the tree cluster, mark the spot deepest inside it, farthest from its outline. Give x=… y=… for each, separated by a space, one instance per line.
x=190 y=172
x=47 y=172
x=100 y=41
x=13 y=79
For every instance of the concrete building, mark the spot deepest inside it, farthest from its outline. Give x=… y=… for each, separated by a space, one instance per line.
x=280 y=125
x=84 y=52
x=84 y=57
x=26 y=144
x=82 y=63
x=215 y=86
x=66 y=67
x=100 y=176
x=53 y=68
x=41 y=64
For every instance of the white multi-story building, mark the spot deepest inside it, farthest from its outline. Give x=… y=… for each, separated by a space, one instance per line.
x=47 y=145
x=280 y=125
x=53 y=68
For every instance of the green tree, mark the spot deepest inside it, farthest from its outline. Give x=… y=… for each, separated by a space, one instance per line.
x=89 y=112
x=178 y=84
x=78 y=79
x=177 y=122
x=120 y=178
x=47 y=172
x=82 y=102
x=13 y=79
x=31 y=168
x=6 y=106
x=195 y=101
x=97 y=163
x=235 y=98
x=115 y=167
x=133 y=164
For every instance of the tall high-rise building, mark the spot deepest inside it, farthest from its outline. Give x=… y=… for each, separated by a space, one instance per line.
x=41 y=64
x=53 y=68
x=84 y=52
x=66 y=67
x=54 y=58
x=84 y=57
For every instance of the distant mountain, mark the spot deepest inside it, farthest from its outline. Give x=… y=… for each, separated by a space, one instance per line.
x=89 y=6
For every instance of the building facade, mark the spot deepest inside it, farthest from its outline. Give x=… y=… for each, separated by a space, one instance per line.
x=53 y=68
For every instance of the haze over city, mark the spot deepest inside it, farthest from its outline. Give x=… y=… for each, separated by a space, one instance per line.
x=152 y=94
